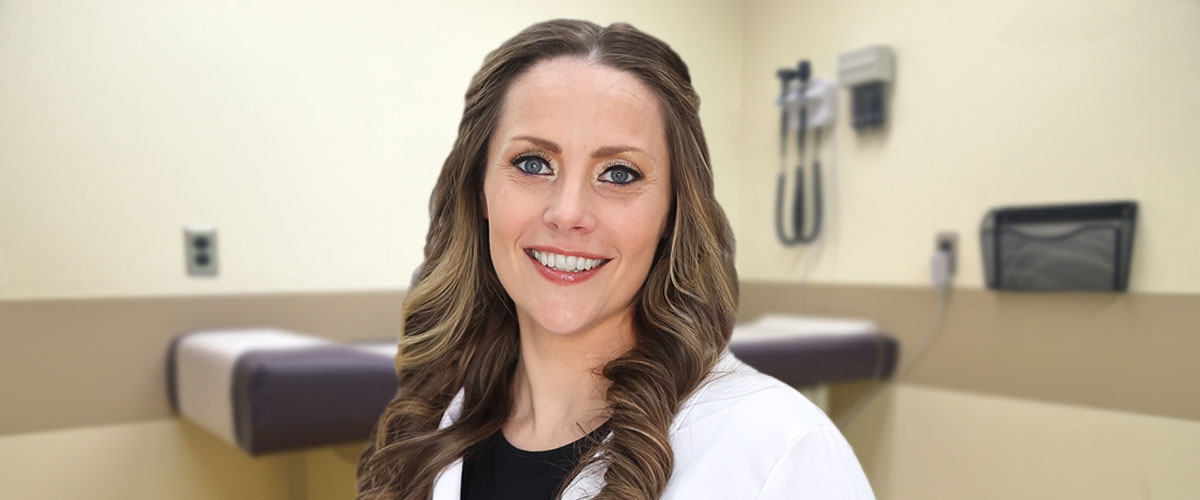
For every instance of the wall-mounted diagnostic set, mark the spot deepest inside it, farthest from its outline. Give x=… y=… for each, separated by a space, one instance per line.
x=808 y=106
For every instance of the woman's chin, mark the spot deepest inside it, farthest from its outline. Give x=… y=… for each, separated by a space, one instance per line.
x=558 y=325
x=564 y=319
x=563 y=316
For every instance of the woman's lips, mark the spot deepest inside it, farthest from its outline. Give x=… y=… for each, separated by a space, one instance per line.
x=564 y=277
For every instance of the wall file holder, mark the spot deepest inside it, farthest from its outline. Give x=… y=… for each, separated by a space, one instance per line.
x=1059 y=247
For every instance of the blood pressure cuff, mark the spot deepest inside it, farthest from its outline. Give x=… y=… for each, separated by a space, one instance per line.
x=267 y=390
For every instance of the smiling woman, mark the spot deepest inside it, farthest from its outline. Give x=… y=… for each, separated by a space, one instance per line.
x=566 y=337
x=571 y=184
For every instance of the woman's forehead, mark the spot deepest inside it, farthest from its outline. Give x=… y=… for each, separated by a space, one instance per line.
x=581 y=104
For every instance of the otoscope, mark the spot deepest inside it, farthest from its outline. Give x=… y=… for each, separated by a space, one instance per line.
x=799 y=235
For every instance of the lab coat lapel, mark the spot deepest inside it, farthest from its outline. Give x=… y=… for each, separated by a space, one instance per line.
x=587 y=484
x=590 y=480
x=448 y=485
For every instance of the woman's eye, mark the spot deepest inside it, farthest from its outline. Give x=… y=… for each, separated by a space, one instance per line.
x=620 y=174
x=532 y=165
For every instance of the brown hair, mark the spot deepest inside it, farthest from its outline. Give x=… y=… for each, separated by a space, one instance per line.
x=460 y=326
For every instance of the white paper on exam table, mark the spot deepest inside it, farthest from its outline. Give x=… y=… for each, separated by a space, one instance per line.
x=782 y=327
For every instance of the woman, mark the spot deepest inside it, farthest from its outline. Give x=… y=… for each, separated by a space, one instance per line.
x=566 y=335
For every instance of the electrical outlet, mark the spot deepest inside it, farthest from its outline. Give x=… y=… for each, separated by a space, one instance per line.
x=947 y=241
x=200 y=250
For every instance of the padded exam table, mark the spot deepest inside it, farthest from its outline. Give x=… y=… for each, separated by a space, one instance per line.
x=266 y=390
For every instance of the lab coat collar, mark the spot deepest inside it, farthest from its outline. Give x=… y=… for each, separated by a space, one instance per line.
x=448 y=485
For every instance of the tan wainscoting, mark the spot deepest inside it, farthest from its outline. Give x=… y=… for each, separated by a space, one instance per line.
x=1133 y=352
x=78 y=362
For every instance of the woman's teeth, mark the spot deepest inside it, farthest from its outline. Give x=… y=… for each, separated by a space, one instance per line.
x=571 y=264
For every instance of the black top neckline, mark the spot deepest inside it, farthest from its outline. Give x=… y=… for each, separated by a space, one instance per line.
x=596 y=434
x=497 y=470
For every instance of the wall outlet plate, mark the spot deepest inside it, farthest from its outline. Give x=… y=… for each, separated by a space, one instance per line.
x=948 y=241
x=200 y=250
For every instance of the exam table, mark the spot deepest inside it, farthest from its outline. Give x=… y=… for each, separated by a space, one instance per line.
x=266 y=390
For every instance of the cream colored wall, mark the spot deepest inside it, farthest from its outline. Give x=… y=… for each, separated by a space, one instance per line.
x=931 y=444
x=149 y=460
x=995 y=103
x=331 y=471
x=309 y=134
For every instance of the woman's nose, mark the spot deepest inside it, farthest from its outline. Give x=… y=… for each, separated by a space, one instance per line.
x=570 y=207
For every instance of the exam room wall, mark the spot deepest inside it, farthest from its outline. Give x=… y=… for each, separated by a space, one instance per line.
x=995 y=103
x=309 y=135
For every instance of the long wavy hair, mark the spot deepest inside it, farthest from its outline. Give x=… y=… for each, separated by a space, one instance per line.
x=460 y=325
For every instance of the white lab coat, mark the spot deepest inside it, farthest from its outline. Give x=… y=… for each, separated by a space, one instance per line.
x=742 y=435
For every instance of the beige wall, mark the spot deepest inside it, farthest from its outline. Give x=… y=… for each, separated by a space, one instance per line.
x=331 y=471
x=166 y=458
x=310 y=135
x=143 y=461
x=995 y=103
x=933 y=444
x=1000 y=103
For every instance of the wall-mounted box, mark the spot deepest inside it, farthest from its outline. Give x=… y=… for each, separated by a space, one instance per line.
x=1085 y=246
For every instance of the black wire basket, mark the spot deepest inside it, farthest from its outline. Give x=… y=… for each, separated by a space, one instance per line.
x=1059 y=247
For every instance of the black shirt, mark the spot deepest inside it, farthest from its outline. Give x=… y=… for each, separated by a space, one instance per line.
x=497 y=470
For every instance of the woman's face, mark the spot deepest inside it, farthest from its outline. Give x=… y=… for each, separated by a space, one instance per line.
x=577 y=191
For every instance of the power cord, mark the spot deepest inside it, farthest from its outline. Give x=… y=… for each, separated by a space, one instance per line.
x=814 y=251
x=941 y=270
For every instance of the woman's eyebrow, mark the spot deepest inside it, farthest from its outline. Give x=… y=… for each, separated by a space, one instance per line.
x=601 y=152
